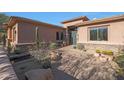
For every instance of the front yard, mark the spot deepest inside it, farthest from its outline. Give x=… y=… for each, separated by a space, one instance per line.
x=73 y=64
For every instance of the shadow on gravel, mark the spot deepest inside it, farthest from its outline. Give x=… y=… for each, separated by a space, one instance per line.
x=60 y=75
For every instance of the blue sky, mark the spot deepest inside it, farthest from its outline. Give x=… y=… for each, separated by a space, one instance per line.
x=57 y=17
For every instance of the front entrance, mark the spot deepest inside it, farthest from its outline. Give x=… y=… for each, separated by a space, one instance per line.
x=72 y=37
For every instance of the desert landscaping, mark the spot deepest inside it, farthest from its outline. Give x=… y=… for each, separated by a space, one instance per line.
x=66 y=63
x=34 y=50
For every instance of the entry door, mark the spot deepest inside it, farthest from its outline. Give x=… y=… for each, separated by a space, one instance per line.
x=73 y=37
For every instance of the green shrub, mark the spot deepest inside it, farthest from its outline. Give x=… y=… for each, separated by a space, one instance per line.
x=74 y=46
x=107 y=52
x=80 y=46
x=42 y=45
x=9 y=48
x=46 y=65
x=53 y=46
x=17 y=51
x=120 y=60
x=120 y=72
x=121 y=63
x=98 y=51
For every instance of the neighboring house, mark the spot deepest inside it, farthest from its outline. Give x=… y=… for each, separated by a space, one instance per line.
x=22 y=31
x=105 y=33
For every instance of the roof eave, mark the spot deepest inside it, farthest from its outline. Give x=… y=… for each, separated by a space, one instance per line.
x=14 y=18
x=99 y=22
x=76 y=19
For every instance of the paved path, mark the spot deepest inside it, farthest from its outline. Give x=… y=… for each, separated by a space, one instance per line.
x=6 y=69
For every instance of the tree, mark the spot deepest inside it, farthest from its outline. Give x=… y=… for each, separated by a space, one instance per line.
x=3 y=18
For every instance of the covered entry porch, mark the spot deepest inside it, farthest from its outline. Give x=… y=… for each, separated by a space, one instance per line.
x=71 y=35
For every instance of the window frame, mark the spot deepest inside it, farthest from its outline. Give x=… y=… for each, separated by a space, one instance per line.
x=60 y=36
x=98 y=36
x=57 y=36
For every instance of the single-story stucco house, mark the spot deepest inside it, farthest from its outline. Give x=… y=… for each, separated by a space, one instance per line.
x=104 y=33
x=22 y=31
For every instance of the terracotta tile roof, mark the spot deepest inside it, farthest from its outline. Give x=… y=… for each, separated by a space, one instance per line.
x=102 y=20
x=84 y=18
x=15 y=18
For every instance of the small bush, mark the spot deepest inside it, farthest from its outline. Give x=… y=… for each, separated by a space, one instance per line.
x=9 y=47
x=17 y=51
x=98 y=51
x=74 y=46
x=120 y=72
x=80 y=46
x=42 y=45
x=53 y=46
x=120 y=60
x=46 y=65
x=107 y=52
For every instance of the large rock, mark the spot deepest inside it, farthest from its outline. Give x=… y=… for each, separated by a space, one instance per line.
x=55 y=56
x=88 y=67
x=39 y=74
x=6 y=69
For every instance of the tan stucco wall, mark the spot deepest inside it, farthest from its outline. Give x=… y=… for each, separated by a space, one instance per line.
x=115 y=33
x=10 y=34
x=26 y=33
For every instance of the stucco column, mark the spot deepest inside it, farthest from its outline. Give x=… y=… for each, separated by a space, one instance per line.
x=8 y=36
x=67 y=36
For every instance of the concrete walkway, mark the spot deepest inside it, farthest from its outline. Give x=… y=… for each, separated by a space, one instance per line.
x=6 y=70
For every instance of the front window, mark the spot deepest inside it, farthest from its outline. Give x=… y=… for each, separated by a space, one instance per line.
x=62 y=36
x=57 y=35
x=99 y=34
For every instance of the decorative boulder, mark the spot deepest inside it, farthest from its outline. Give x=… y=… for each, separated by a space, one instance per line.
x=39 y=74
x=55 y=55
